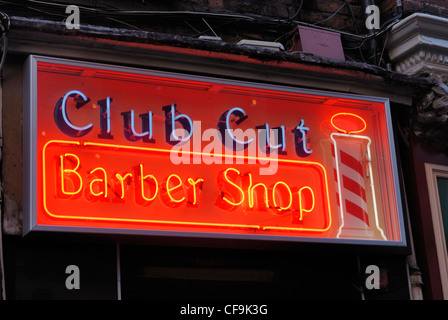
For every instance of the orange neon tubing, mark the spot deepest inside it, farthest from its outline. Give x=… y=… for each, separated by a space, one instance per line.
x=98 y=180
x=348 y=114
x=122 y=178
x=236 y=186
x=250 y=192
x=289 y=192
x=300 y=201
x=63 y=171
x=123 y=219
x=142 y=180
x=193 y=183
x=168 y=189
x=115 y=147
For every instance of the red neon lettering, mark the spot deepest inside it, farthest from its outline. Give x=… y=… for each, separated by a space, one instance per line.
x=196 y=186
x=68 y=173
x=128 y=187
x=275 y=191
x=169 y=188
x=174 y=191
x=251 y=194
x=146 y=186
x=303 y=202
x=228 y=199
x=142 y=184
x=304 y=198
x=122 y=179
x=103 y=181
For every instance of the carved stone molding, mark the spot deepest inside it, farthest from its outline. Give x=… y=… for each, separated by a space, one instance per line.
x=419 y=45
x=423 y=62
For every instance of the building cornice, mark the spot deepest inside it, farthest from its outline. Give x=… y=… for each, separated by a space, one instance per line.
x=190 y=55
x=419 y=44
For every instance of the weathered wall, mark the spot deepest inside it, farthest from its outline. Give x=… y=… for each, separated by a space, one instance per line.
x=12 y=144
x=436 y=7
x=271 y=18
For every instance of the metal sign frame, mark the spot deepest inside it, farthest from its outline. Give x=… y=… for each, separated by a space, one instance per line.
x=30 y=151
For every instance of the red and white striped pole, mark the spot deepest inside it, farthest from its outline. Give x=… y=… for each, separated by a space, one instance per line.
x=358 y=212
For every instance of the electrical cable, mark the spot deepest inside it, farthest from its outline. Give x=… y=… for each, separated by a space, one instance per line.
x=331 y=16
x=116 y=13
x=205 y=21
x=298 y=11
x=183 y=14
x=353 y=15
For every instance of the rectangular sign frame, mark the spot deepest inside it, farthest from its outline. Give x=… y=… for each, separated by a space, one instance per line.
x=30 y=152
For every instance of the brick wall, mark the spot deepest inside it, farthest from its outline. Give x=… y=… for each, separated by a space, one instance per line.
x=335 y=14
x=318 y=12
x=344 y=15
x=437 y=7
x=270 y=20
x=341 y=15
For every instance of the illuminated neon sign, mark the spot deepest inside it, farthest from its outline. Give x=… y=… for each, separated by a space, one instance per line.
x=123 y=150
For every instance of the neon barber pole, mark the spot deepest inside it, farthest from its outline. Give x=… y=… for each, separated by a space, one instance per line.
x=356 y=197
